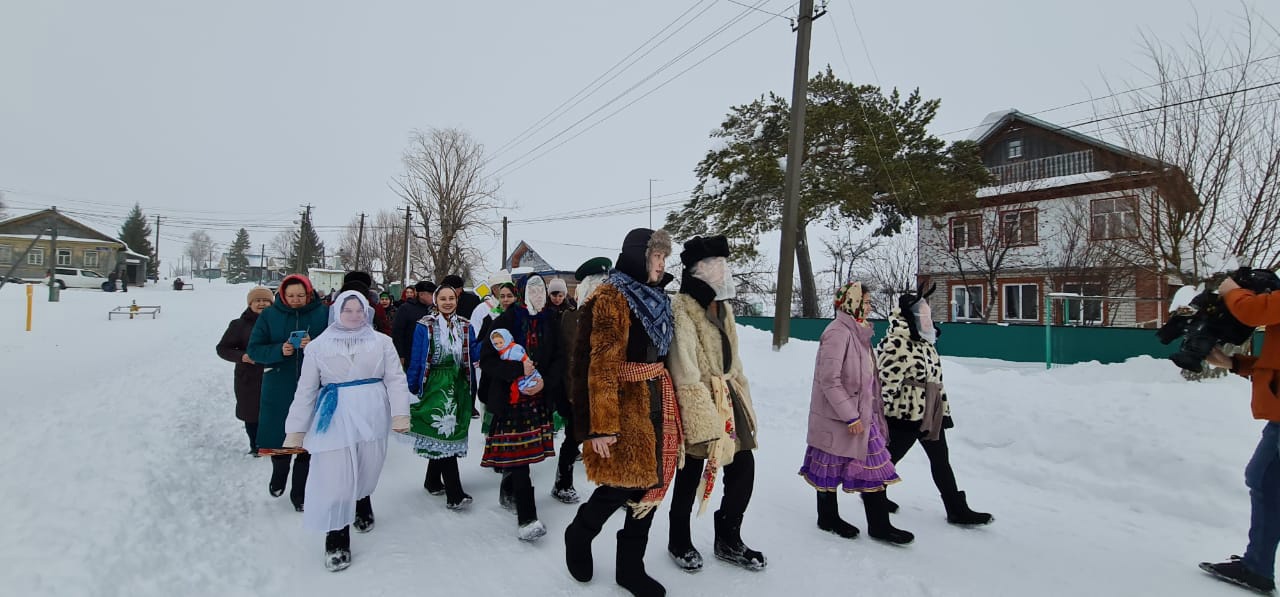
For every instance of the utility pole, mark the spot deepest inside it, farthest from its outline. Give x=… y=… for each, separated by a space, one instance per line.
x=404 y=276
x=503 y=263
x=156 y=250
x=651 y=181
x=359 y=242
x=53 y=269
x=795 y=157
x=262 y=264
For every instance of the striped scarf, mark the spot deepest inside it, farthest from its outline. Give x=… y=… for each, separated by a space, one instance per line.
x=672 y=433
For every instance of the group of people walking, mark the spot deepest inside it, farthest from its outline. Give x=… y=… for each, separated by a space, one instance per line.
x=650 y=389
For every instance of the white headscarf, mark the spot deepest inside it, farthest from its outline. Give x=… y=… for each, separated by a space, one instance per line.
x=448 y=329
x=339 y=338
x=714 y=271
x=587 y=286
x=535 y=294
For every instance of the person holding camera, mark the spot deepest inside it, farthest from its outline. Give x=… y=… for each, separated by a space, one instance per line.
x=1256 y=570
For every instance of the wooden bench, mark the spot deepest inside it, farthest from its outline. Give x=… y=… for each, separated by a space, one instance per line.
x=132 y=311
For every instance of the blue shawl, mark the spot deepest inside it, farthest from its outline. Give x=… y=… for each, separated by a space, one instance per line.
x=651 y=305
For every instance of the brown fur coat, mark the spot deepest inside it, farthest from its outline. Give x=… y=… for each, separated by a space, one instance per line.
x=622 y=409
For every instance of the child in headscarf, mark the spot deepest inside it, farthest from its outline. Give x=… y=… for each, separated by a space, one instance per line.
x=510 y=351
x=351 y=393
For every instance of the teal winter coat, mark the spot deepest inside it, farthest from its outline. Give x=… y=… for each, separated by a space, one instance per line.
x=280 y=378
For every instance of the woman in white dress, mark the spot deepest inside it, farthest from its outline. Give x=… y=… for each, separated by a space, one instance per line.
x=352 y=392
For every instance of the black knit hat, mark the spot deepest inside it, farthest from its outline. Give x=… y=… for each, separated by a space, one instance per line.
x=701 y=247
x=595 y=265
x=426 y=286
x=453 y=281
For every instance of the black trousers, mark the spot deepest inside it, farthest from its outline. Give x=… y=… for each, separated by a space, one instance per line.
x=252 y=430
x=569 y=450
x=301 y=466
x=517 y=483
x=739 y=482
x=902 y=439
x=444 y=471
x=604 y=501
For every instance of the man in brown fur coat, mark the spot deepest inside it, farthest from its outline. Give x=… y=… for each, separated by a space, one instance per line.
x=634 y=441
x=715 y=407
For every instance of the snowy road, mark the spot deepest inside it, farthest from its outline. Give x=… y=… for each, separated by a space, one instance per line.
x=126 y=476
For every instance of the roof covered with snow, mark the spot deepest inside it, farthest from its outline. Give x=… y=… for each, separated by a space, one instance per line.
x=562 y=257
x=1044 y=183
x=997 y=120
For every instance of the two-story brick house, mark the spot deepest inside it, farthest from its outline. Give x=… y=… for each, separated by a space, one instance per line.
x=1065 y=213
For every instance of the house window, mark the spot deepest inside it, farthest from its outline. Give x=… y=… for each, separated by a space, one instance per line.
x=1113 y=218
x=35 y=256
x=1021 y=302
x=1019 y=227
x=1015 y=149
x=966 y=302
x=91 y=259
x=1082 y=311
x=966 y=232
x=6 y=254
x=64 y=257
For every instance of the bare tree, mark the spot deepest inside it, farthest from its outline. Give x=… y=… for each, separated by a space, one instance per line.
x=383 y=250
x=889 y=269
x=844 y=253
x=1095 y=267
x=1206 y=111
x=2 y=206
x=444 y=182
x=200 y=249
x=281 y=244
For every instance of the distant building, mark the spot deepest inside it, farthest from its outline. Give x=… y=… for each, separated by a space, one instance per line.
x=555 y=260
x=79 y=246
x=1061 y=211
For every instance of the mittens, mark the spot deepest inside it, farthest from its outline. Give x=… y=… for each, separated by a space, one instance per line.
x=293 y=440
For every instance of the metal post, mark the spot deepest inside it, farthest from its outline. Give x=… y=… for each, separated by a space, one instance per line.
x=359 y=243
x=504 y=243
x=791 y=198
x=404 y=277
x=1048 y=331
x=53 y=269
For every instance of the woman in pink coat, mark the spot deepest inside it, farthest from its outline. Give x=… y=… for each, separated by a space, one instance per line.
x=846 y=424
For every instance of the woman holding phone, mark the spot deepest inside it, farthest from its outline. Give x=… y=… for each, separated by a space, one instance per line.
x=279 y=337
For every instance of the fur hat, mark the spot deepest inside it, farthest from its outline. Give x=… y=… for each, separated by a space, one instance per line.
x=258 y=292
x=701 y=247
x=638 y=245
x=359 y=278
x=453 y=281
x=557 y=285
x=595 y=265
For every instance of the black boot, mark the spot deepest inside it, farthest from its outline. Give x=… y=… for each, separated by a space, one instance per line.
x=829 y=516
x=729 y=546
x=630 y=573
x=364 y=515
x=506 y=496
x=455 y=497
x=1235 y=572
x=529 y=527
x=680 y=544
x=577 y=551
x=279 y=474
x=958 y=512
x=432 y=482
x=337 y=550
x=298 y=493
x=878 y=526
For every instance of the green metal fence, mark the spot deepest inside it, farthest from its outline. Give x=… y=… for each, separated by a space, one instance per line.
x=1019 y=343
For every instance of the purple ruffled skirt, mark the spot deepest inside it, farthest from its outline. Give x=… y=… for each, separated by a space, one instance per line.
x=828 y=472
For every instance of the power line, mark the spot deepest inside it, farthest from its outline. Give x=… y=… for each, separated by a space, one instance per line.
x=553 y=116
x=791 y=19
x=1166 y=106
x=706 y=39
x=624 y=107
x=1130 y=90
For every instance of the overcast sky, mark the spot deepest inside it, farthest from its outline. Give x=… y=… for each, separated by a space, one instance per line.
x=217 y=115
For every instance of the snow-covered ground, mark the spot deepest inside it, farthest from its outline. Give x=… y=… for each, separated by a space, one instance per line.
x=125 y=474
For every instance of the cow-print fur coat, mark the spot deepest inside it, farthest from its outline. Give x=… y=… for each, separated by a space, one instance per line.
x=900 y=358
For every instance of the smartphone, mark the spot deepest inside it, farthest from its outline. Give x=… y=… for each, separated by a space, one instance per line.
x=295 y=338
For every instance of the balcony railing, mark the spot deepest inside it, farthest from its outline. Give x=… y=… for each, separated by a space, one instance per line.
x=1067 y=164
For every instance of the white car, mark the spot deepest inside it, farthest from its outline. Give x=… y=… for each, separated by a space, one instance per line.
x=68 y=277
